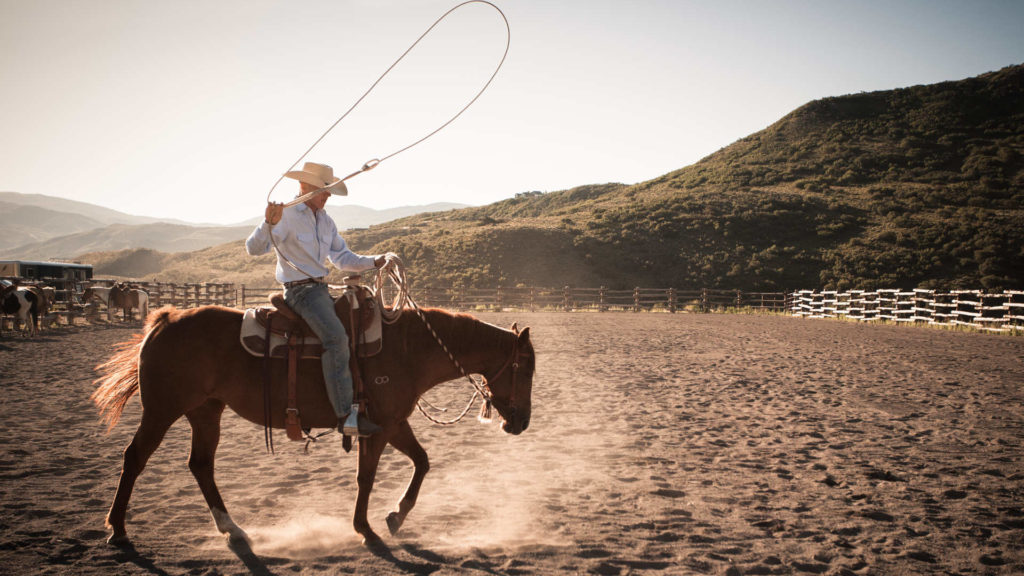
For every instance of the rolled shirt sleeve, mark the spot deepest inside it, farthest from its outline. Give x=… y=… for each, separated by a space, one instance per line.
x=258 y=243
x=342 y=257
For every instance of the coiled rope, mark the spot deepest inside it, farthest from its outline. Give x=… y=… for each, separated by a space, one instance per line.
x=394 y=270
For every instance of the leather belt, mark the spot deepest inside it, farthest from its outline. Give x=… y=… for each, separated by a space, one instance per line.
x=320 y=280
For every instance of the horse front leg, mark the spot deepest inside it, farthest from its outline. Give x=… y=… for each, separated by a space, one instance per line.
x=370 y=450
x=405 y=442
x=205 y=422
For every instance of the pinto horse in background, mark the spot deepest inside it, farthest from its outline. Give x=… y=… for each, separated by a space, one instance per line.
x=190 y=363
x=43 y=299
x=23 y=304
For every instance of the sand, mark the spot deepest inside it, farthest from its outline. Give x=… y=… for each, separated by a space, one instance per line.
x=659 y=444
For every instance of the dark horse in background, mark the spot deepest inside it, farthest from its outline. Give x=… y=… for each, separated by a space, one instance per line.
x=190 y=363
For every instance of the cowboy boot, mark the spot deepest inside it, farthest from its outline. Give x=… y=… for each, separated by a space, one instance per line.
x=356 y=424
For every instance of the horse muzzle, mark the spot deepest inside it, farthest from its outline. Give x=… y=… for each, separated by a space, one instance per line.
x=516 y=423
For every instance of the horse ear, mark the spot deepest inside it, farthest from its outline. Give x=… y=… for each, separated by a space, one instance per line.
x=515 y=327
x=525 y=334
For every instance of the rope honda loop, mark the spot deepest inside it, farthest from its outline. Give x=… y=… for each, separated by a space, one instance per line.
x=370 y=165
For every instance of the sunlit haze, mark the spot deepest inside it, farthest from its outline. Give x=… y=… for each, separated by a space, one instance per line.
x=192 y=109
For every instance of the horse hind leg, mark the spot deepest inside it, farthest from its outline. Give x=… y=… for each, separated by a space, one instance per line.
x=405 y=442
x=205 y=422
x=146 y=440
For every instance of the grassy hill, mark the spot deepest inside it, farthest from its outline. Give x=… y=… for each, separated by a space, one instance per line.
x=920 y=186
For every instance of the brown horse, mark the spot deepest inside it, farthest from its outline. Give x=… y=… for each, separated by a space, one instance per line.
x=127 y=297
x=190 y=363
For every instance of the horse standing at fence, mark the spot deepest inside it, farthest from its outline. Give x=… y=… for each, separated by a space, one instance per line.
x=102 y=294
x=190 y=362
x=122 y=296
x=23 y=304
x=129 y=297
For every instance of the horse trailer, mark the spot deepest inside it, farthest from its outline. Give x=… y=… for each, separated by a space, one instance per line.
x=45 y=270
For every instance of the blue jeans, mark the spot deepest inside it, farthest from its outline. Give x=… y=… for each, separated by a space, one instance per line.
x=314 y=303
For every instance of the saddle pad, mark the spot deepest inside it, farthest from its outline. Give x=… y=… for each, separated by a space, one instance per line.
x=253 y=336
x=371 y=342
x=370 y=311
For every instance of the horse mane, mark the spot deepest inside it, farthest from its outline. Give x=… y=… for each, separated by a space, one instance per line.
x=460 y=331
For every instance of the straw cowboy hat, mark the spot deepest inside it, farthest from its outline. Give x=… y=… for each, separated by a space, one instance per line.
x=321 y=176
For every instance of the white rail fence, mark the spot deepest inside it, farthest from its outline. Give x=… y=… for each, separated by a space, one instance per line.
x=990 y=312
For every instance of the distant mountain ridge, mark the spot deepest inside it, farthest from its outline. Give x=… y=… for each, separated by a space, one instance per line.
x=40 y=227
x=158 y=236
x=26 y=224
x=85 y=209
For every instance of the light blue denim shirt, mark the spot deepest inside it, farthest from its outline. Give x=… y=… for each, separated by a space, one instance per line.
x=307 y=239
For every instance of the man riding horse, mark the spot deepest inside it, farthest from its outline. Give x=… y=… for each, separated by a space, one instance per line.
x=304 y=236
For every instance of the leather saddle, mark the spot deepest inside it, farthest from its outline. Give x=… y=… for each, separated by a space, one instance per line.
x=290 y=338
x=286 y=327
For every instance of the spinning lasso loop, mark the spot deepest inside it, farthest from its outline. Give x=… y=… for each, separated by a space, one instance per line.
x=393 y=270
x=371 y=164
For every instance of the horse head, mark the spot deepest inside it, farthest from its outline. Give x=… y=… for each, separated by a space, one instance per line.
x=116 y=296
x=511 y=386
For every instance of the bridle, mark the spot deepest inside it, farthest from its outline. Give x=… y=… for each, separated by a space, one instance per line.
x=514 y=363
x=393 y=269
x=481 y=389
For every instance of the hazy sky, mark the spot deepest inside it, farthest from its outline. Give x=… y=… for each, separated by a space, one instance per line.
x=191 y=109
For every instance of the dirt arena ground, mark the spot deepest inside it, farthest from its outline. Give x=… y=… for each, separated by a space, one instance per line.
x=659 y=444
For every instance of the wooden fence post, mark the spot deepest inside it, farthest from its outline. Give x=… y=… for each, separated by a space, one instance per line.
x=672 y=300
x=636 y=299
x=602 y=305
x=567 y=299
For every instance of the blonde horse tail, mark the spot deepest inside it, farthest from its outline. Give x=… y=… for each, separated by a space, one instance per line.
x=119 y=376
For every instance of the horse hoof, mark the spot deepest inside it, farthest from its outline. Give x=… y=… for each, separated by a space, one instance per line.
x=373 y=542
x=394 y=522
x=238 y=537
x=119 y=540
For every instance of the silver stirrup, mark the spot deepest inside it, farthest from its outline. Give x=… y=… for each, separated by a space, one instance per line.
x=351 y=426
